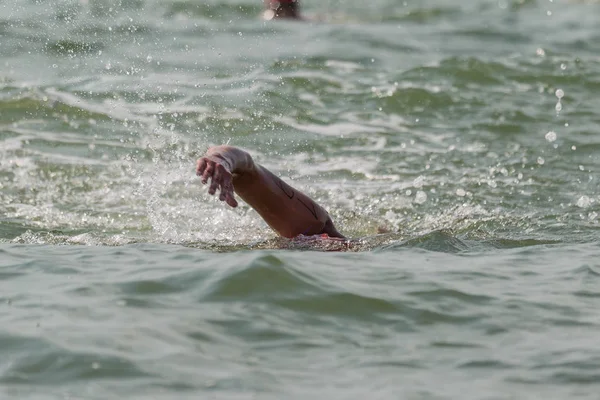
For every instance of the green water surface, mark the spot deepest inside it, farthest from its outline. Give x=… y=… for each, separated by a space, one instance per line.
x=466 y=131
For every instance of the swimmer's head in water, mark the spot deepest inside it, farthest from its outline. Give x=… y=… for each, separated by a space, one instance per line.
x=275 y=9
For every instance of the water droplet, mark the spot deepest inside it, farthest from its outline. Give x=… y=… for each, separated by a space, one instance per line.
x=541 y=161
x=581 y=168
x=421 y=197
x=573 y=148
x=584 y=202
x=95 y=365
x=558 y=107
x=551 y=136
x=563 y=66
x=461 y=193
x=559 y=93
x=408 y=192
x=418 y=182
x=540 y=52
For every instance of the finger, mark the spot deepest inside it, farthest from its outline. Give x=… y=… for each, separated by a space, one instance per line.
x=216 y=180
x=225 y=185
x=223 y=192
x=230 y=199
x=200 y=165
x=208 y=172
x=227 y=194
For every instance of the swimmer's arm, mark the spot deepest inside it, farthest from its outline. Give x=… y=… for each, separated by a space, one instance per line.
x=287 y=210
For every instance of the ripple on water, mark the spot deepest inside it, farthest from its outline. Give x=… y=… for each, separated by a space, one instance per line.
x=178 y=9
x=262 y=277
x=72 y=48
x=37 y=361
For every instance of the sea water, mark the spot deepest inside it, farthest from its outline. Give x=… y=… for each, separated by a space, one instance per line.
x=456 y=143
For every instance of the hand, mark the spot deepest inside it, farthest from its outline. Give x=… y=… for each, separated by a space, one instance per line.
x=218 y=171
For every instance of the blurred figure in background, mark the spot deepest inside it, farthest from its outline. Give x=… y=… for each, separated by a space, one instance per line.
x=281 y=9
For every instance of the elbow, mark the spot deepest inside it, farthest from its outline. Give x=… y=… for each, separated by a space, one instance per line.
x=331 y=230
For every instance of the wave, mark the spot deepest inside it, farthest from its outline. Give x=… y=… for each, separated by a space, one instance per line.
x=38 y=361
x=162 y=315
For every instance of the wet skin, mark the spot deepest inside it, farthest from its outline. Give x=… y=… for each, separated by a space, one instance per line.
x=285 y=209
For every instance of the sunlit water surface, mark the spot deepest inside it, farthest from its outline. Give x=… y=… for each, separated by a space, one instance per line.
x=466 y=132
